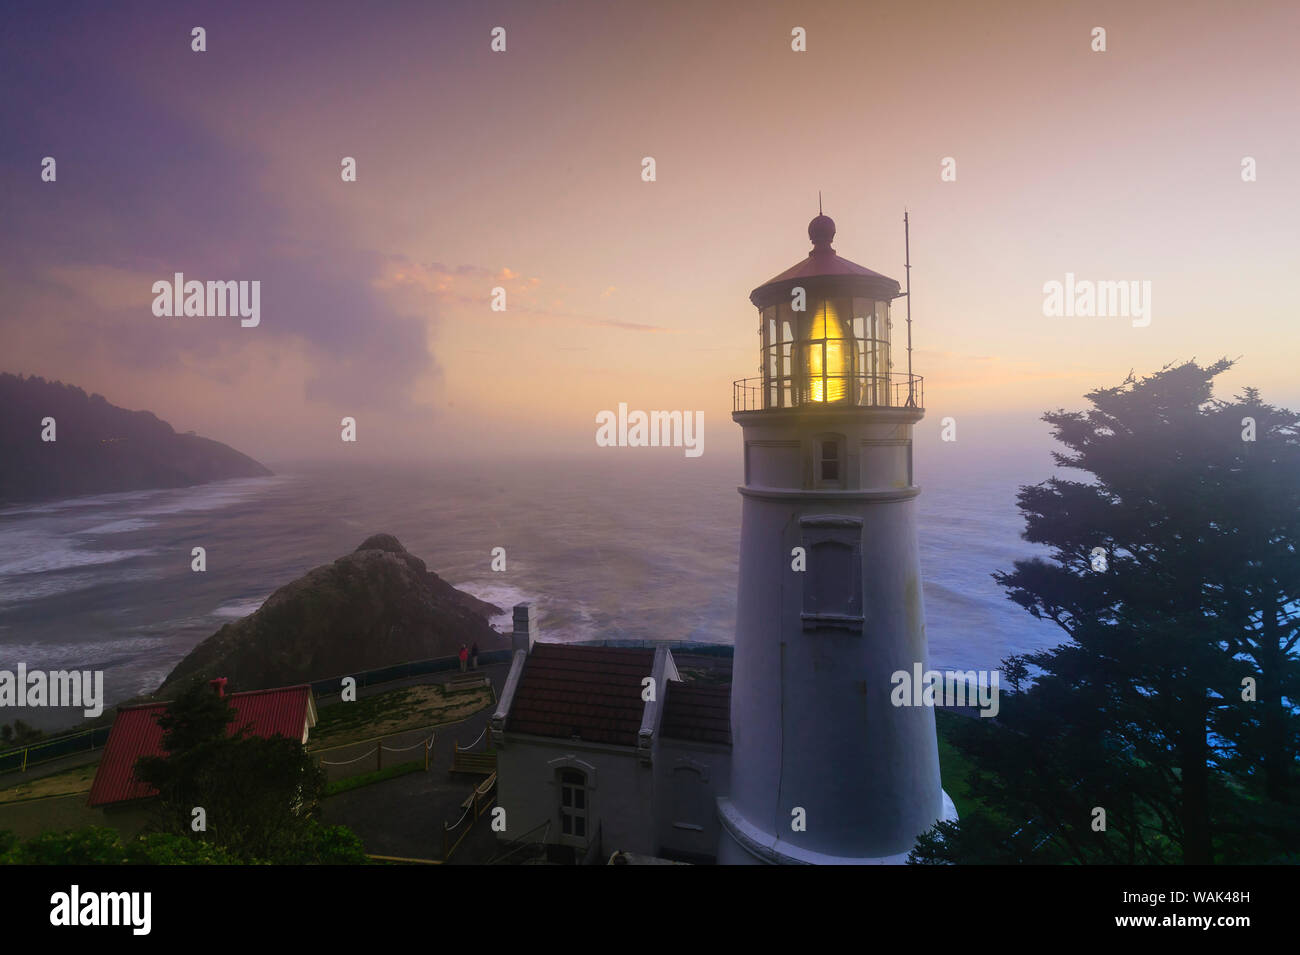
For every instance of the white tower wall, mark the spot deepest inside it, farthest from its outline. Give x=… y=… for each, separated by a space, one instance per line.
x=812 y=722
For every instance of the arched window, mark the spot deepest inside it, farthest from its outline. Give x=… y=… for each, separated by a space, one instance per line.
x=573 y=803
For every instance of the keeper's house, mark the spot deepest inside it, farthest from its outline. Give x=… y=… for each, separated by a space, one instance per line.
x=602 y=749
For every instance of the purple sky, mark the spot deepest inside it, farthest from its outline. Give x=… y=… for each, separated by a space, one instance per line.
x=523 y=170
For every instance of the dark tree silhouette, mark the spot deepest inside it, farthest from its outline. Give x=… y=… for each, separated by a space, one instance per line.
x=1174 y=575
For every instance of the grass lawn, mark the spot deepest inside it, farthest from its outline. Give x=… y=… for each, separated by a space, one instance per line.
x=69 y=781
x=406 y=708
x=365 y=779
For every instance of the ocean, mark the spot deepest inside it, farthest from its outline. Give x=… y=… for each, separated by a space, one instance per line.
x=605 y=551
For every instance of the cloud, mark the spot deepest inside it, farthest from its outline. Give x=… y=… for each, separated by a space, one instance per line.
x=467 y=287
x=143 y=192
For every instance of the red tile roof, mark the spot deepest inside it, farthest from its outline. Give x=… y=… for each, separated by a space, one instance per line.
x=590 y=692
x=697 y=711
x=136 y=733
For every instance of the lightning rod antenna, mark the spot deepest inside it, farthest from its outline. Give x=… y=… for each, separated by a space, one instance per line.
x=907 y=267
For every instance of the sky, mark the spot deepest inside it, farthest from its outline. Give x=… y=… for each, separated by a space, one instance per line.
x=522 y=170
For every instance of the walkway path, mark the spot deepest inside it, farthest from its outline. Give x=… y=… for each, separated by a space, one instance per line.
x=404 y=816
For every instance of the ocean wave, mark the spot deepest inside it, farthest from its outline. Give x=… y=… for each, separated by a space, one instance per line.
x=558 y=619
x=47 y=538
x=27 y=587
x=118 y=527
x=210 y=497
x=503 y=595
x=113 y=500
x=49 y=556
x=566 y=621
x=148 y=681
x=609 y=575
x=97 y=654
x=240 y=608
x=198 y=497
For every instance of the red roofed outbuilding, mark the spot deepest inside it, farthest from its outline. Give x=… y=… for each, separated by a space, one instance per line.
x=287 y=711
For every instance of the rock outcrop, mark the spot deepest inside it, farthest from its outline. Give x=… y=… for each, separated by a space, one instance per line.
x=375 y=607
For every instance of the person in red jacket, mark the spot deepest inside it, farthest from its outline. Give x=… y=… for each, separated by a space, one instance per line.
x=464 y=655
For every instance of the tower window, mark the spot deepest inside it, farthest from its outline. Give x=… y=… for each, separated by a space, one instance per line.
x=828 y=460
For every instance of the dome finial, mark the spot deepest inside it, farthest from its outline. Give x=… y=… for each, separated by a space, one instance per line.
x=822 y=229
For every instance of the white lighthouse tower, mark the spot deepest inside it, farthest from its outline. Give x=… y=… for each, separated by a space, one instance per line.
x=824 y=768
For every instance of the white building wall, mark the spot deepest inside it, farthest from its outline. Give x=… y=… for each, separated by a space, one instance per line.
x=689 y=778
x=620 y=791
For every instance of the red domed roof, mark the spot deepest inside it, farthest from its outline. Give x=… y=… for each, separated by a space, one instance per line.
x=822 y=262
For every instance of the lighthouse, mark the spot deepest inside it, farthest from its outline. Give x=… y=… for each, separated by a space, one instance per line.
x=824 y=768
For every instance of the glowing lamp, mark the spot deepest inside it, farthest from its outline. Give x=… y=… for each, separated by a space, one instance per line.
x=828 y=364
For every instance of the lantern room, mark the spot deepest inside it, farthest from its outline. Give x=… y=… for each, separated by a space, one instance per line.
x=825 y=327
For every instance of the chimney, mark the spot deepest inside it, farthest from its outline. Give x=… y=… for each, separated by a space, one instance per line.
x=525 y=628
x=218 y=685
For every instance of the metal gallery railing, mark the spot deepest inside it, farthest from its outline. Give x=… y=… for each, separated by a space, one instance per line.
x=857 y=391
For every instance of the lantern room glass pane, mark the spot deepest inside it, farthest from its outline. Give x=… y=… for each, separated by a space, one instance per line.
x=836 y=351
x=768 y=354
x=885 y=393
x=828 y=351
x=777 y=325
x=812 y=384
x=863 y=319
x=785 y=317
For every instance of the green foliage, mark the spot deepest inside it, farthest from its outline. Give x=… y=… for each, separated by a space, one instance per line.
x=197 y=716
x=94 y=846
x=378 y=776
x=314 y=845
x=976 y=840
x=1140 y=711
x=20 y=734
x=317 y=844
x=165 y=848
x=258 y=794
x=359 y=714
